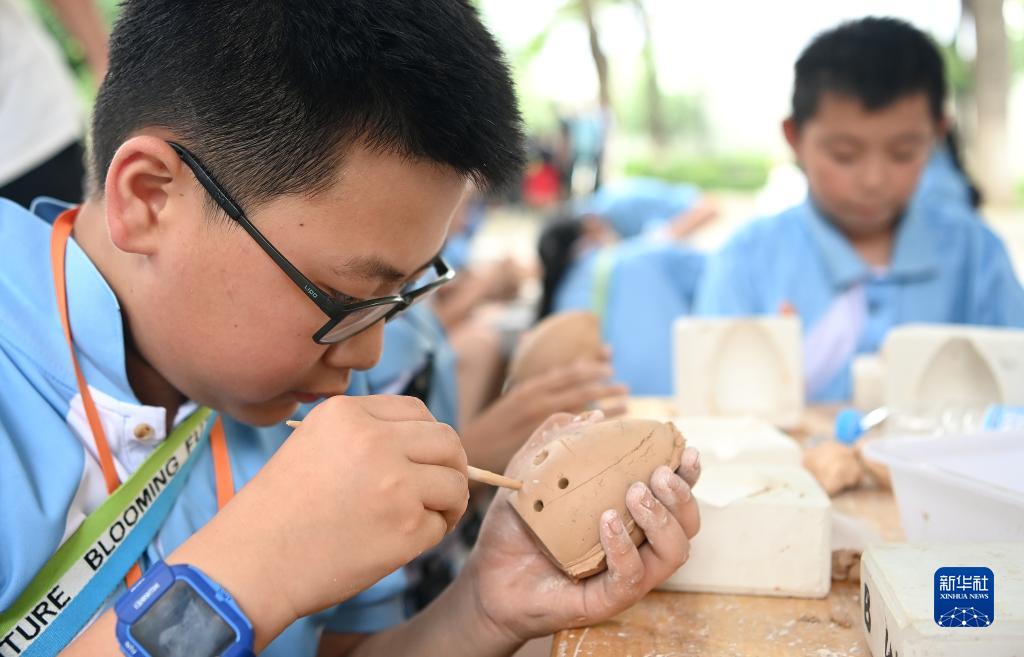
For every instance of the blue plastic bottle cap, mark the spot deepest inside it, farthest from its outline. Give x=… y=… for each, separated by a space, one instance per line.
x=999 y=417
x=848 y=425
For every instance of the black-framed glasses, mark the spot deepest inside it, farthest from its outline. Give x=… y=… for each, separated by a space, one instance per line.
x=345 y=319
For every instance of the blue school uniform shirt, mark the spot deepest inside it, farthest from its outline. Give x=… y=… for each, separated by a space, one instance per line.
x=50 y=477
x=638 y=288
x=947 y=267
x=634 y=205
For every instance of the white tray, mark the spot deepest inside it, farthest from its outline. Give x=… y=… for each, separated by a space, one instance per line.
x=957 y=488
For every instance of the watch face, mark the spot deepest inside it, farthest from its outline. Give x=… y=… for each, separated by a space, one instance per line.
x=182 y=624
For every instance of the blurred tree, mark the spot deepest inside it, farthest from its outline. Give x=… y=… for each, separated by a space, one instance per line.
x=586 y=12
x=655 y=106
x=685 y=121
x=990 y=95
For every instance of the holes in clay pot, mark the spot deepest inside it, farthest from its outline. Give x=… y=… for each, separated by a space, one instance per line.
x=538 y=506
x=563 y=483
x=539 y=458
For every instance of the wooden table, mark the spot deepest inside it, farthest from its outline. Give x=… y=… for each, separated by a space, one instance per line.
x=668 y=624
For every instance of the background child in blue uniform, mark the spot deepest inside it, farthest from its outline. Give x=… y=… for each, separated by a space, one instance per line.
x=638 y=288
x=631 y=206
x=624 y=258
x=859 y=255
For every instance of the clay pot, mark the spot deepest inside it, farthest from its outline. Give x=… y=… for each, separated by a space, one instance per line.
x=557 y=340
x=582 y=473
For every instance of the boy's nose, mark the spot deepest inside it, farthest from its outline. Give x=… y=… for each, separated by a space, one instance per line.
x=873 y=174
x=360 y=352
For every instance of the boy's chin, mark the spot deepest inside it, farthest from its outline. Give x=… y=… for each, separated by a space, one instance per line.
x=265 y=414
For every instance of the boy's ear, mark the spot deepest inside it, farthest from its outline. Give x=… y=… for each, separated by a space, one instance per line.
x=143 y=174
x=791 y=132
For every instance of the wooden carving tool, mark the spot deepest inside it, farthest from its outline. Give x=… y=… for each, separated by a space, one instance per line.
x=475 y=474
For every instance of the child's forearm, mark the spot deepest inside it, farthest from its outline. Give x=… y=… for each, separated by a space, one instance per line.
x=245 y=573
x=454 y=625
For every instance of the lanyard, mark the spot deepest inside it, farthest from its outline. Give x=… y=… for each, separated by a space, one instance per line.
x=218 y=441
x=603 y=266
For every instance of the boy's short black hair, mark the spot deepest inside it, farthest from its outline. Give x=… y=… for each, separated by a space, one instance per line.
x=875 y=60
x=270 y=93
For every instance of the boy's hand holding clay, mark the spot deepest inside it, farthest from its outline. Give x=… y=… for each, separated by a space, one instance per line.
x=524 y=595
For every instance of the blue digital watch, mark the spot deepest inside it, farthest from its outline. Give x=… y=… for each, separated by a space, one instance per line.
x=177 y=611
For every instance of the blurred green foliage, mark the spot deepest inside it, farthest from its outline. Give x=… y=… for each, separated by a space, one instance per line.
x=959 y=72
x=72 y=51
x=735 y=172
x=683 y=114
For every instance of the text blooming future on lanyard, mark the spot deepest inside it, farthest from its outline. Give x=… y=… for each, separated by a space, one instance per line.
x=73 y=585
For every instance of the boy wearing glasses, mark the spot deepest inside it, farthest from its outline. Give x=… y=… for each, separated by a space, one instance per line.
x=268 y=181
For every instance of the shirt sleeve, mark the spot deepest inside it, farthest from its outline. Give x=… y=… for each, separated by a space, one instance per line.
x=576 y=291
x=686 y=268
x=40 y=470
x=376 y=609
x=357 y=384
x=726 y=286
x=997 y=297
